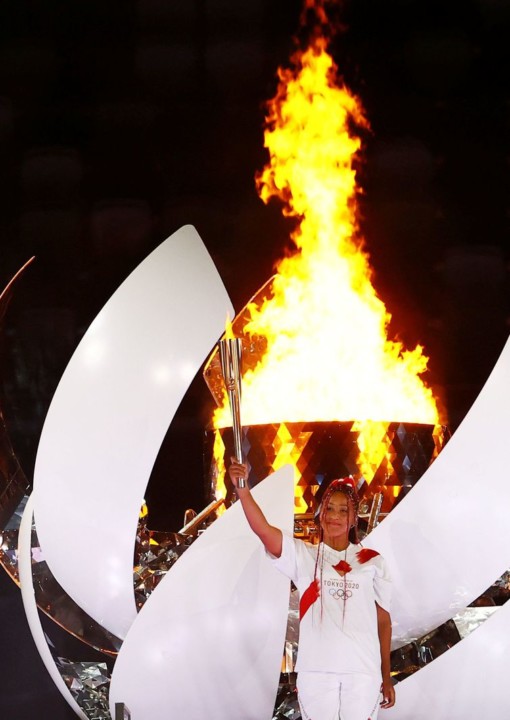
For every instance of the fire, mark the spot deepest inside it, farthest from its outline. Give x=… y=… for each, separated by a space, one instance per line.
x=229 y=333
x=328 y=353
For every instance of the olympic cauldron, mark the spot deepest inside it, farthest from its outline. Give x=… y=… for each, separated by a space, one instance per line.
x=385 y=457
x=320 y=451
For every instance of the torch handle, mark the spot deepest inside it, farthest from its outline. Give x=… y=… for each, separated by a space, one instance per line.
x=237 y=432
x=230 y=358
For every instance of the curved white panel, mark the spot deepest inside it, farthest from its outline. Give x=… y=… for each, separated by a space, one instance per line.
x=109 y=415
x=436 y=540
x=468 y=682
x=30 y=605
x=209 y=641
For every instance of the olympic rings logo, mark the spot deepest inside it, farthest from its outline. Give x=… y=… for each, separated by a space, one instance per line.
x=340 y=593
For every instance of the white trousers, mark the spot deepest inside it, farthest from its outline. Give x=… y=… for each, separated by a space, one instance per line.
x=333 y=696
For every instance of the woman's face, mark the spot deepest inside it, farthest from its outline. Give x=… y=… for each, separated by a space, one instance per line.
x=337 y=516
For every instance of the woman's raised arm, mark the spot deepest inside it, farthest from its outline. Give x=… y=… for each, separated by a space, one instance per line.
x=270 y=536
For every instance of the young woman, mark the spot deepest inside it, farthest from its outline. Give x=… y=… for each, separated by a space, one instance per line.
x=345 y=627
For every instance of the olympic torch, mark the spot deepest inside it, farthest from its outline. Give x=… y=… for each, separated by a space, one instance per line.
x=230 y=361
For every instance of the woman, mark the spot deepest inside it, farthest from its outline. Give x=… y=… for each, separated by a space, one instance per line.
x=345 y=627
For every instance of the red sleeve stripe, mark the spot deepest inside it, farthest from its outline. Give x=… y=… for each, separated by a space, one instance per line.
x=366 y=554
x=308 y=598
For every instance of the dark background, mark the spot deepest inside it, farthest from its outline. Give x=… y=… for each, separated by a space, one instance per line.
x=122 y=121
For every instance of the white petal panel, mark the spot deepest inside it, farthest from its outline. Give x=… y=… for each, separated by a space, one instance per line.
x=109 y=415
x=468 y=682
x=439 y=541
x=209 y=641
x=30 y=605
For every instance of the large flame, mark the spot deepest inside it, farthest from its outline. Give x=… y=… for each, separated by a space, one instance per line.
x=328 y=353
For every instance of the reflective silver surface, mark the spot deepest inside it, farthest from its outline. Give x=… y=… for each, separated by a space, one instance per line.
x=13 y=483
x=155 y=553
x=89 y=683
x=49 y=595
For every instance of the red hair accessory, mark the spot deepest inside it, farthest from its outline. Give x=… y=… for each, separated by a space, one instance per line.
x=344 y=481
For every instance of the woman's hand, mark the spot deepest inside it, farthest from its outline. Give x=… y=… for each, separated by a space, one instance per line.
x=384 y=630
x=236 y=471
x=388 y=693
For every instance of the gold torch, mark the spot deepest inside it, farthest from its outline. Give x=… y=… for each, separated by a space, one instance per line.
x=230 y=361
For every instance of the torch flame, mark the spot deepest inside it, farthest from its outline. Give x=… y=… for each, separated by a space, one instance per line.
x=229 y=333
x=328 y=353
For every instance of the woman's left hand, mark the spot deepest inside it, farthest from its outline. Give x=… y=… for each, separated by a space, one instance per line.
x=388 y=693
